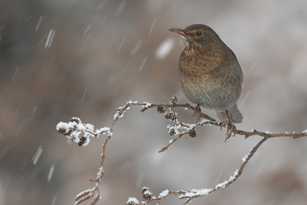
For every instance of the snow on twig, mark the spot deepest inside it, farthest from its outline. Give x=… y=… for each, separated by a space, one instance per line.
x=80 y=133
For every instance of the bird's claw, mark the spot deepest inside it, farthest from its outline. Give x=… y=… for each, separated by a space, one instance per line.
x=231 y=130
x=197 y=113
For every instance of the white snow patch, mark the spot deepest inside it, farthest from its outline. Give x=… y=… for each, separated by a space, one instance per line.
x=196 y=192
x=223 y=184
x=268 y=132
x=164 y=193
x=164 y=49
x=245 y=157
x=101 y=171
x=132 y=102
x=132 y=200
x=104 y=130
x=147 y=105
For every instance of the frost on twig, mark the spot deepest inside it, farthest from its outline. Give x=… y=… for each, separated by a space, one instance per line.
x=80 y=133
x=74 y=128
x=196 y=193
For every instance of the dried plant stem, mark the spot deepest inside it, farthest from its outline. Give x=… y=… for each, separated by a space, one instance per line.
x=75 y=127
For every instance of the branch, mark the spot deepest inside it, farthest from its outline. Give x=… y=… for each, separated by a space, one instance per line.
x=80 y=133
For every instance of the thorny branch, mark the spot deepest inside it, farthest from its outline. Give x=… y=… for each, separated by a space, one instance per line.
x=75 y=128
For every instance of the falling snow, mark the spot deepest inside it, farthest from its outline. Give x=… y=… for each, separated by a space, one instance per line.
x=164 y=49
x=37 y=154
x=85 y=58
x=50 y=38
x=121 y=45
x=87 y=29
x=39 y=23
x=244 y=99
x=143 y=63
x=154 y=21
x=15 y=73
x=53 y=202
x=50 y=173
x=139 y=181
x=136 y=48
x=34 y=110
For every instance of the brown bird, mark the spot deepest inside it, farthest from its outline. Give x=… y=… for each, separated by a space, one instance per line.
x=209 y=72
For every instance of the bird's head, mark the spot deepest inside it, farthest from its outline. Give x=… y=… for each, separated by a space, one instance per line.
x=197 y=36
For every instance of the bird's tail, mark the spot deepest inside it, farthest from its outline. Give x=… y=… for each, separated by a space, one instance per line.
x=234 y=115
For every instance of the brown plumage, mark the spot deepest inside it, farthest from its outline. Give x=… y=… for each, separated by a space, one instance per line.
x=209 y=72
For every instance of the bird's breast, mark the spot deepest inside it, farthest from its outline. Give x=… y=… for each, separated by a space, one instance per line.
x=208 y=81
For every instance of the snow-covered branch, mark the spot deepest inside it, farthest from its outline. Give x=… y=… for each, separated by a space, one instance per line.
x=80 y=133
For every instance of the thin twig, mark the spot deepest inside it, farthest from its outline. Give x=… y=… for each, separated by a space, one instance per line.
x=75 y=128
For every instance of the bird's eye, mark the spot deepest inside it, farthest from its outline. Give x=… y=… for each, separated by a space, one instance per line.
x=198 y=33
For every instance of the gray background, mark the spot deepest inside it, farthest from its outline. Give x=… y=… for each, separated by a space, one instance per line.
x=85 y=74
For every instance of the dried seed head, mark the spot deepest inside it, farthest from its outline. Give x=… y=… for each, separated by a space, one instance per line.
x=161 y=109
x=146 y=193
x=169 y=115
x=131 y=202
x=144 y=189
x=82 y=140
x=192 y=133
x=171 y=132
x=75 y=119
x=62 y=131
x=173 y=100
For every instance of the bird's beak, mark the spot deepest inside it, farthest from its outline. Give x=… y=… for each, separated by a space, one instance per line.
x=177 y=31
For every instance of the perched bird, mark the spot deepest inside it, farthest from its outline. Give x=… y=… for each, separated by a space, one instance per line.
x=209 y=72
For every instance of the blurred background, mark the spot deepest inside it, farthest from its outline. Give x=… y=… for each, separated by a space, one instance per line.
x=67 y=58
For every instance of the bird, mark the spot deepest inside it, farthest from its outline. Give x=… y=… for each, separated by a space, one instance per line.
x=209 y=72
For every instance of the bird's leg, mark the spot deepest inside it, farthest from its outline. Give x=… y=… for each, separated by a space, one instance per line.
x=197 y=113
x=231 y=128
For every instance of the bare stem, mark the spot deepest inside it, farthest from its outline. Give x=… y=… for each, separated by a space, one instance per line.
x=75 y=127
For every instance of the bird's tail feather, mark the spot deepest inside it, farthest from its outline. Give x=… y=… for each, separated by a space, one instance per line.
x=234 y=115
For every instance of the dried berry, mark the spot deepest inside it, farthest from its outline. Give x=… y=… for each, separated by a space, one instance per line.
x=192 y=133
x=173 y=100
x=169 y=116
x=132 y=201
x=144 y=189
x=82 y=140
x=62 y=131
x=75 y=119
x=146 y=193
x=161 y=109
x=171 y=132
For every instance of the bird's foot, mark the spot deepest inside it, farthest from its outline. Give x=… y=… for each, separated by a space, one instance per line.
x=231 y=130
x=197 y=113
